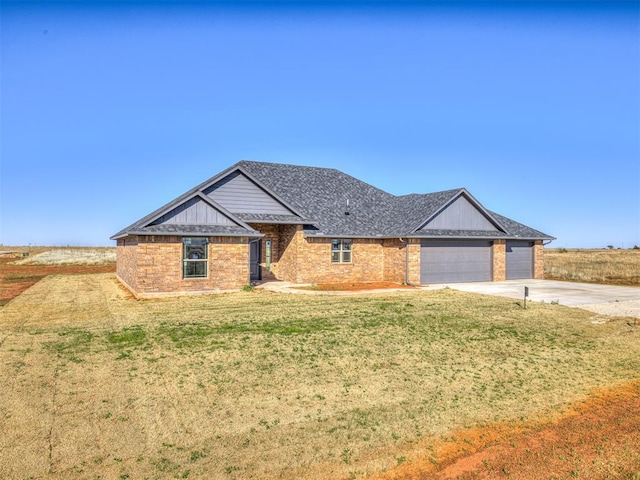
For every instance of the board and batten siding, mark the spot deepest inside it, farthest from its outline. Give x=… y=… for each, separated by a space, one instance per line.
x=460 y=215
x=238 y=194
x=194 y=212
x=452 y=261
x=519 y=259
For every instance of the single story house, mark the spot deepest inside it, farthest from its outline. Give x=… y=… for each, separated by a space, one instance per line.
x=304 y=224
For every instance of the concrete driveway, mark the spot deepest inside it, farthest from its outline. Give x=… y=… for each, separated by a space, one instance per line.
x=605 y=299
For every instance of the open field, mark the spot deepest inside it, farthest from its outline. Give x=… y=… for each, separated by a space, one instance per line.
x=257 y=384
x=614 y=267
x=18 y=273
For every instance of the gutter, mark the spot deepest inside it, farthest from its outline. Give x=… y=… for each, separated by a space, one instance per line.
x=406 y=263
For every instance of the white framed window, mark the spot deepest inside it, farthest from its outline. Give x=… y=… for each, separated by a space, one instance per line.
x=194 y=257
x=341 y=251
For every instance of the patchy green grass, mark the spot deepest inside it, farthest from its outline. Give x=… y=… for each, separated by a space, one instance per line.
x=268 y=385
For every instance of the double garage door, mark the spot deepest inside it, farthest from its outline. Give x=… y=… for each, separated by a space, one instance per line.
x=451 y=261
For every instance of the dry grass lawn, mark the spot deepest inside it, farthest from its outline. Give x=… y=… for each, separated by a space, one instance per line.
x=615 y=267
x=256 y=384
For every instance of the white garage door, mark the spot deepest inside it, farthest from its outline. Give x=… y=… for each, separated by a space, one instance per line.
x=451 y=261
x=519 y=259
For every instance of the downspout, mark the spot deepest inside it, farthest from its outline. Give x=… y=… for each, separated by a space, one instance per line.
x=406 y=263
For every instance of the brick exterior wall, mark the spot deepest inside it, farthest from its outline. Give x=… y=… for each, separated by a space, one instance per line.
x=538 y=260
x=499 y=254
x=298 y=259
x=315 y=265
x=126 y=262
x=152 y=265
x=395 y=260
x=394 y=252
x=280 y=236
x=414 y=261
x=290 y=238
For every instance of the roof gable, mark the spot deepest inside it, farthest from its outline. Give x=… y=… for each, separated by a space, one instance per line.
x=239 y=194
x=460 y=214
x=194 y=211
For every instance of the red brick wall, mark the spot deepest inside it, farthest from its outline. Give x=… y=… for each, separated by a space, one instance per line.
x=315 y=266
x=289 y=241
x=298 y=259
x=126 y=261
x=538 y=260
x=395 y=260
x=499 y=252
x=154 y=265
x=414 y=261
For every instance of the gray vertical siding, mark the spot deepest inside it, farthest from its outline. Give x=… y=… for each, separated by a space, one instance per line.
x=519 y=259
x=194 y=212
x=238 y=194
x=451 y=261
x=460 y=215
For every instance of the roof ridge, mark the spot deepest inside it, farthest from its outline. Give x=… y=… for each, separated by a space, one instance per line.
x=261 y=162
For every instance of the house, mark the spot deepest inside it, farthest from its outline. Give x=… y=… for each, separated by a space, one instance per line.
x=303 y=224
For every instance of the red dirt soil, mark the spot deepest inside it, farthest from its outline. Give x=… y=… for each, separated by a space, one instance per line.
x=595 y=439
x=15 y=279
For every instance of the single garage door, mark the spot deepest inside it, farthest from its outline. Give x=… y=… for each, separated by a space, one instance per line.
x=450 y=261
x=519 y=259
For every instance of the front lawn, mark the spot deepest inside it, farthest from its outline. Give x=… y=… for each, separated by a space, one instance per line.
x=267 y=385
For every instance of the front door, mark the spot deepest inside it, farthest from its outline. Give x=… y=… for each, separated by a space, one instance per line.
x=255 y=272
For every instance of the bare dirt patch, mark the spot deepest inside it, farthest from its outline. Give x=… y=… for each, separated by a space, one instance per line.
x=594 y=439
x=16 y=278
x=353 y=286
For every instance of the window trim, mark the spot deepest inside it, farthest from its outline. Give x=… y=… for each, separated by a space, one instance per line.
x=201 y=241
x=345 y=249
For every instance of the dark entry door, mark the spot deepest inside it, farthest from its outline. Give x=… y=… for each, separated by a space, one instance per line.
x=255 y=272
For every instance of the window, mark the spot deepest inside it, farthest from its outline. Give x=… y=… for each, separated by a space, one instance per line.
x=340 y=251
x=194 y=257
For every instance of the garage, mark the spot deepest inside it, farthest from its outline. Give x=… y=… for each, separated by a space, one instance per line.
x=451 y=261
x=519 y=259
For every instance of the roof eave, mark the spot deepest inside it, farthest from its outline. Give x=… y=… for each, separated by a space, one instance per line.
x=282 y=222
x=250 y=234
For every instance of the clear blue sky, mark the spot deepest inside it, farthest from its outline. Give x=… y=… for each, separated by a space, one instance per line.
x=109 y=110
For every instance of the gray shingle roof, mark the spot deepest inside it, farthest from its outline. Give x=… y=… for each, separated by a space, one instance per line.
x=271 y=218
x=196 y=230
x=519 y=230
x=459 y=234
x=321 y=194
x=333 y=203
